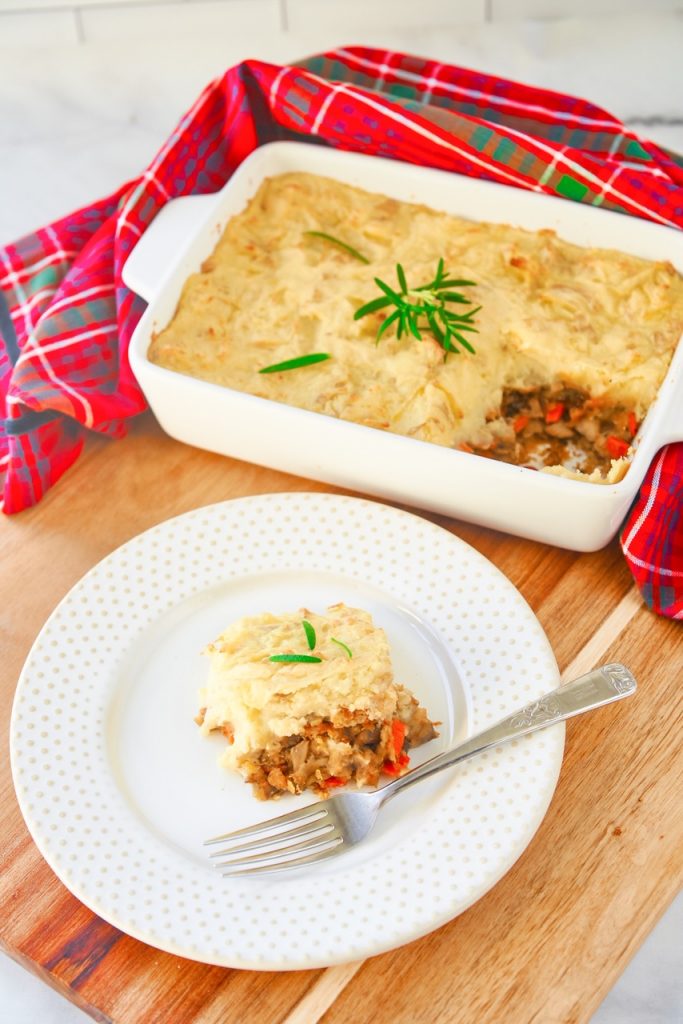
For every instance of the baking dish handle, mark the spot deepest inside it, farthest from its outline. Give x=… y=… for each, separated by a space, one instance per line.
x=146 y=267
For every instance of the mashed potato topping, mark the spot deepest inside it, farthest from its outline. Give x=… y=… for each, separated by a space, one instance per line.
x=314 y=724
x=553 y=316
x=264 y=699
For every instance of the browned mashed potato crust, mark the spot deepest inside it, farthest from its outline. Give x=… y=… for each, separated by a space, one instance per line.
x=556 y=318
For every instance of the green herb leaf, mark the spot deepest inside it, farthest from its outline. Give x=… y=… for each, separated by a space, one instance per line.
x=394 y=296
x=457 y=322
x=425 y=307
x=294 y=364
x=447 y=349
x=434 y=327
x=294 y=657
x=452 y=283
x=310 y=633
x=339 y=643
x=412 y=324
x=387 y=323
x=342 y=245
x=464 y=342
x=371 y=307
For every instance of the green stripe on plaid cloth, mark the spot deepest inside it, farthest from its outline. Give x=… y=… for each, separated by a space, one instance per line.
x=452 y=97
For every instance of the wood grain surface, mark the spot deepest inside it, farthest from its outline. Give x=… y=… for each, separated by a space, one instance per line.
x=545 y=945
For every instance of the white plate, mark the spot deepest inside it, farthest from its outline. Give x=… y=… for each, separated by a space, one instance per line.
x=119 y=789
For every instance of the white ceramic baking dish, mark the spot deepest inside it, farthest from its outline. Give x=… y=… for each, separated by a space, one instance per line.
x=568 y=513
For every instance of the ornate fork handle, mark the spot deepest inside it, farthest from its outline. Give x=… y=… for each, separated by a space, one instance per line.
x=601 y=686
x=539 y=712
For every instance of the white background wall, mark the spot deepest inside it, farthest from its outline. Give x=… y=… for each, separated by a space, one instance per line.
x=61 y=21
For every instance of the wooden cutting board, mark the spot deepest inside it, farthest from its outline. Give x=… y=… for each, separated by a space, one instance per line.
x=544 y=945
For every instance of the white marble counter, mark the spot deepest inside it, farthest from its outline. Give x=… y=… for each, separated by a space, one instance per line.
x=86 y=107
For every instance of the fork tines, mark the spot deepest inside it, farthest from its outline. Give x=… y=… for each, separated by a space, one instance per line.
x=293 y=839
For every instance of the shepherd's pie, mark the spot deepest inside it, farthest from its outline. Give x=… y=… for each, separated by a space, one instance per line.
x=308 y=701
x=573 y=342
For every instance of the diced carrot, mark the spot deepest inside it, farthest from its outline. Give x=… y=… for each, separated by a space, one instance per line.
x=519 y=423
x=465 y=447
x=554 y=412
x=632 y=424
x=616 y=447
x=398 y=734
x=333 y=780
x=397 y=766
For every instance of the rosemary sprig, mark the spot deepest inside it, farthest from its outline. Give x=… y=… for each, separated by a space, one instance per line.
x=310 y=633
x=425 y=308
x=342 y=245
x=294 y=364
x=293 y=657
x=343 y=645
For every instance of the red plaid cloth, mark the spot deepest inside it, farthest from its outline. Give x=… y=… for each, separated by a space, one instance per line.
x=66 y=318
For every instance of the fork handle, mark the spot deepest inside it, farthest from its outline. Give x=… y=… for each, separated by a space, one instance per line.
x=601 y=686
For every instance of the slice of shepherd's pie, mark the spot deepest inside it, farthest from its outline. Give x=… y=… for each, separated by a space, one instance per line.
x=309 y=701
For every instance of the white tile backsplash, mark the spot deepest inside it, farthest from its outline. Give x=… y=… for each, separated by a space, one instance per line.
x=345 y=15
x=180 y=20
x=37 y=28
x=42 y=5
x=42 y=21
x=516 y=9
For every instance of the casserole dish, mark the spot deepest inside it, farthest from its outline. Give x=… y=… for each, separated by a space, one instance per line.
x=569 y=513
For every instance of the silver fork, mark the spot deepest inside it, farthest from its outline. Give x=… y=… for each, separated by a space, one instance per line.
x=321 y=830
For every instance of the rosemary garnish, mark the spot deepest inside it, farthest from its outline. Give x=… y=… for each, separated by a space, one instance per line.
x=425 y=307
x=310 y=633
x=293 y=657
x=341 y=644
x=342 y=245
x=293 y=364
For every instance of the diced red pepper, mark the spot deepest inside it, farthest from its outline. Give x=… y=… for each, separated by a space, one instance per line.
x=397 y=766
x=519 y=423
x=333 y=780
x=398 y=735
x=616 y=447
x=554 y=412
x=632 y=424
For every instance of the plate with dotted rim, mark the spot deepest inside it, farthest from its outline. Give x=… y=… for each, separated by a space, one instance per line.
x=119 y=789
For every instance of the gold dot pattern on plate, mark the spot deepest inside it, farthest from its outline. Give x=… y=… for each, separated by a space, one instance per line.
x=89 y=835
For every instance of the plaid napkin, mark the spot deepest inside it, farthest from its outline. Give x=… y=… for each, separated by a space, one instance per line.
x=66 y=318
